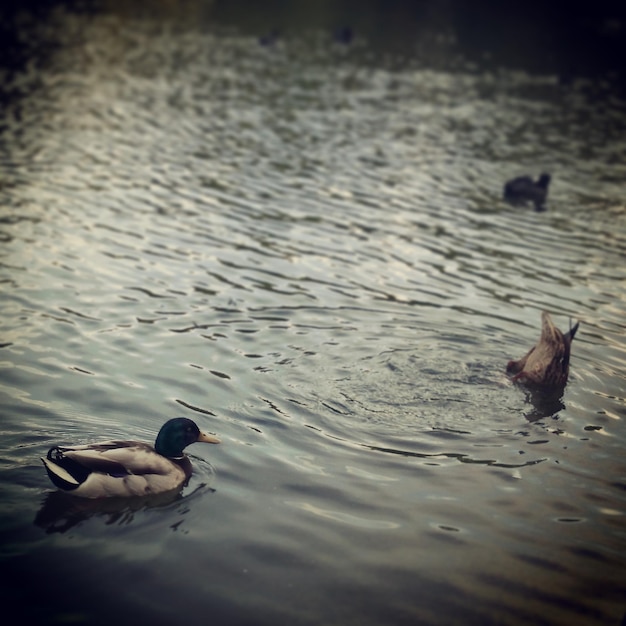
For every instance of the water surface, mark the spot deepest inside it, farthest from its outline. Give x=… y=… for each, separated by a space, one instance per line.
x=302 y=246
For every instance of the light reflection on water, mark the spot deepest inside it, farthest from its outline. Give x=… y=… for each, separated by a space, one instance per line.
x=306 y=251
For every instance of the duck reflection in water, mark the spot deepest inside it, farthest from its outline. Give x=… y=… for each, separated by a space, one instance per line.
x=544 y=403
x=60 y=511
x=524 y=190
x=544 y=370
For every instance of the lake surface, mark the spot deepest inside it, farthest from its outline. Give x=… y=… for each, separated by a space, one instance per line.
x=301 y=244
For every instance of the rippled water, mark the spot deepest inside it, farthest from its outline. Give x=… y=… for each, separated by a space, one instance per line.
x=303 y=247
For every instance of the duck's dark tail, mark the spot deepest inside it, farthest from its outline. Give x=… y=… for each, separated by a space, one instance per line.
x=569 y=335
x=65 y=473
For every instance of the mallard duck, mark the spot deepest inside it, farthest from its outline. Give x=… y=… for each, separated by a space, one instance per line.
x=547 y=363
x=127 y=468
x=524 y=189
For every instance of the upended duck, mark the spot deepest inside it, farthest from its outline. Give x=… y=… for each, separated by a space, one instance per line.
x=127 y=468
x=524 y=190
x=546 y=364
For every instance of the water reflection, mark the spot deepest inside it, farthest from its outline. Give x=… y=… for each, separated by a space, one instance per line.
x=61 y=512
x=462 y=458
x=544 y=403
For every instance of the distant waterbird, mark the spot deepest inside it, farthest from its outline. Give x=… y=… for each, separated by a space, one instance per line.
x=524 y=190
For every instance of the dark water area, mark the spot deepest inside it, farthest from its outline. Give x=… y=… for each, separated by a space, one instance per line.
x=285 y=221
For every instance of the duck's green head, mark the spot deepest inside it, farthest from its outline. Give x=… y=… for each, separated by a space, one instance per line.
x=176 y=434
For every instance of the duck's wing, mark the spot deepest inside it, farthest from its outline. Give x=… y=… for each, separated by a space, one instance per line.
x=114 y=468
x=118 y=458
x=515 y=367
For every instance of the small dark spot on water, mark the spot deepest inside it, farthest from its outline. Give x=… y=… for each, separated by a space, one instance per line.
x=82 y=371
x=195 y=408
x=449 y=528
x=541 y=562
x=214 y=336
x=446 y=536
x=343 y=35
x=152 y=294
x=145 y=320
x=296 y=401
x=335 y=410
x=588 y=553
x=72 y=618
x=263 y=369
x=270 y=38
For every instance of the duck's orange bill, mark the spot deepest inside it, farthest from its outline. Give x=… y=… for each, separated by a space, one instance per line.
x=205 y=438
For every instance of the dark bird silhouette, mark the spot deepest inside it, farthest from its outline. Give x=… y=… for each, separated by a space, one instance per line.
x=524 y=190
x=343 y=35
x=269 y=39
x=546 y=365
